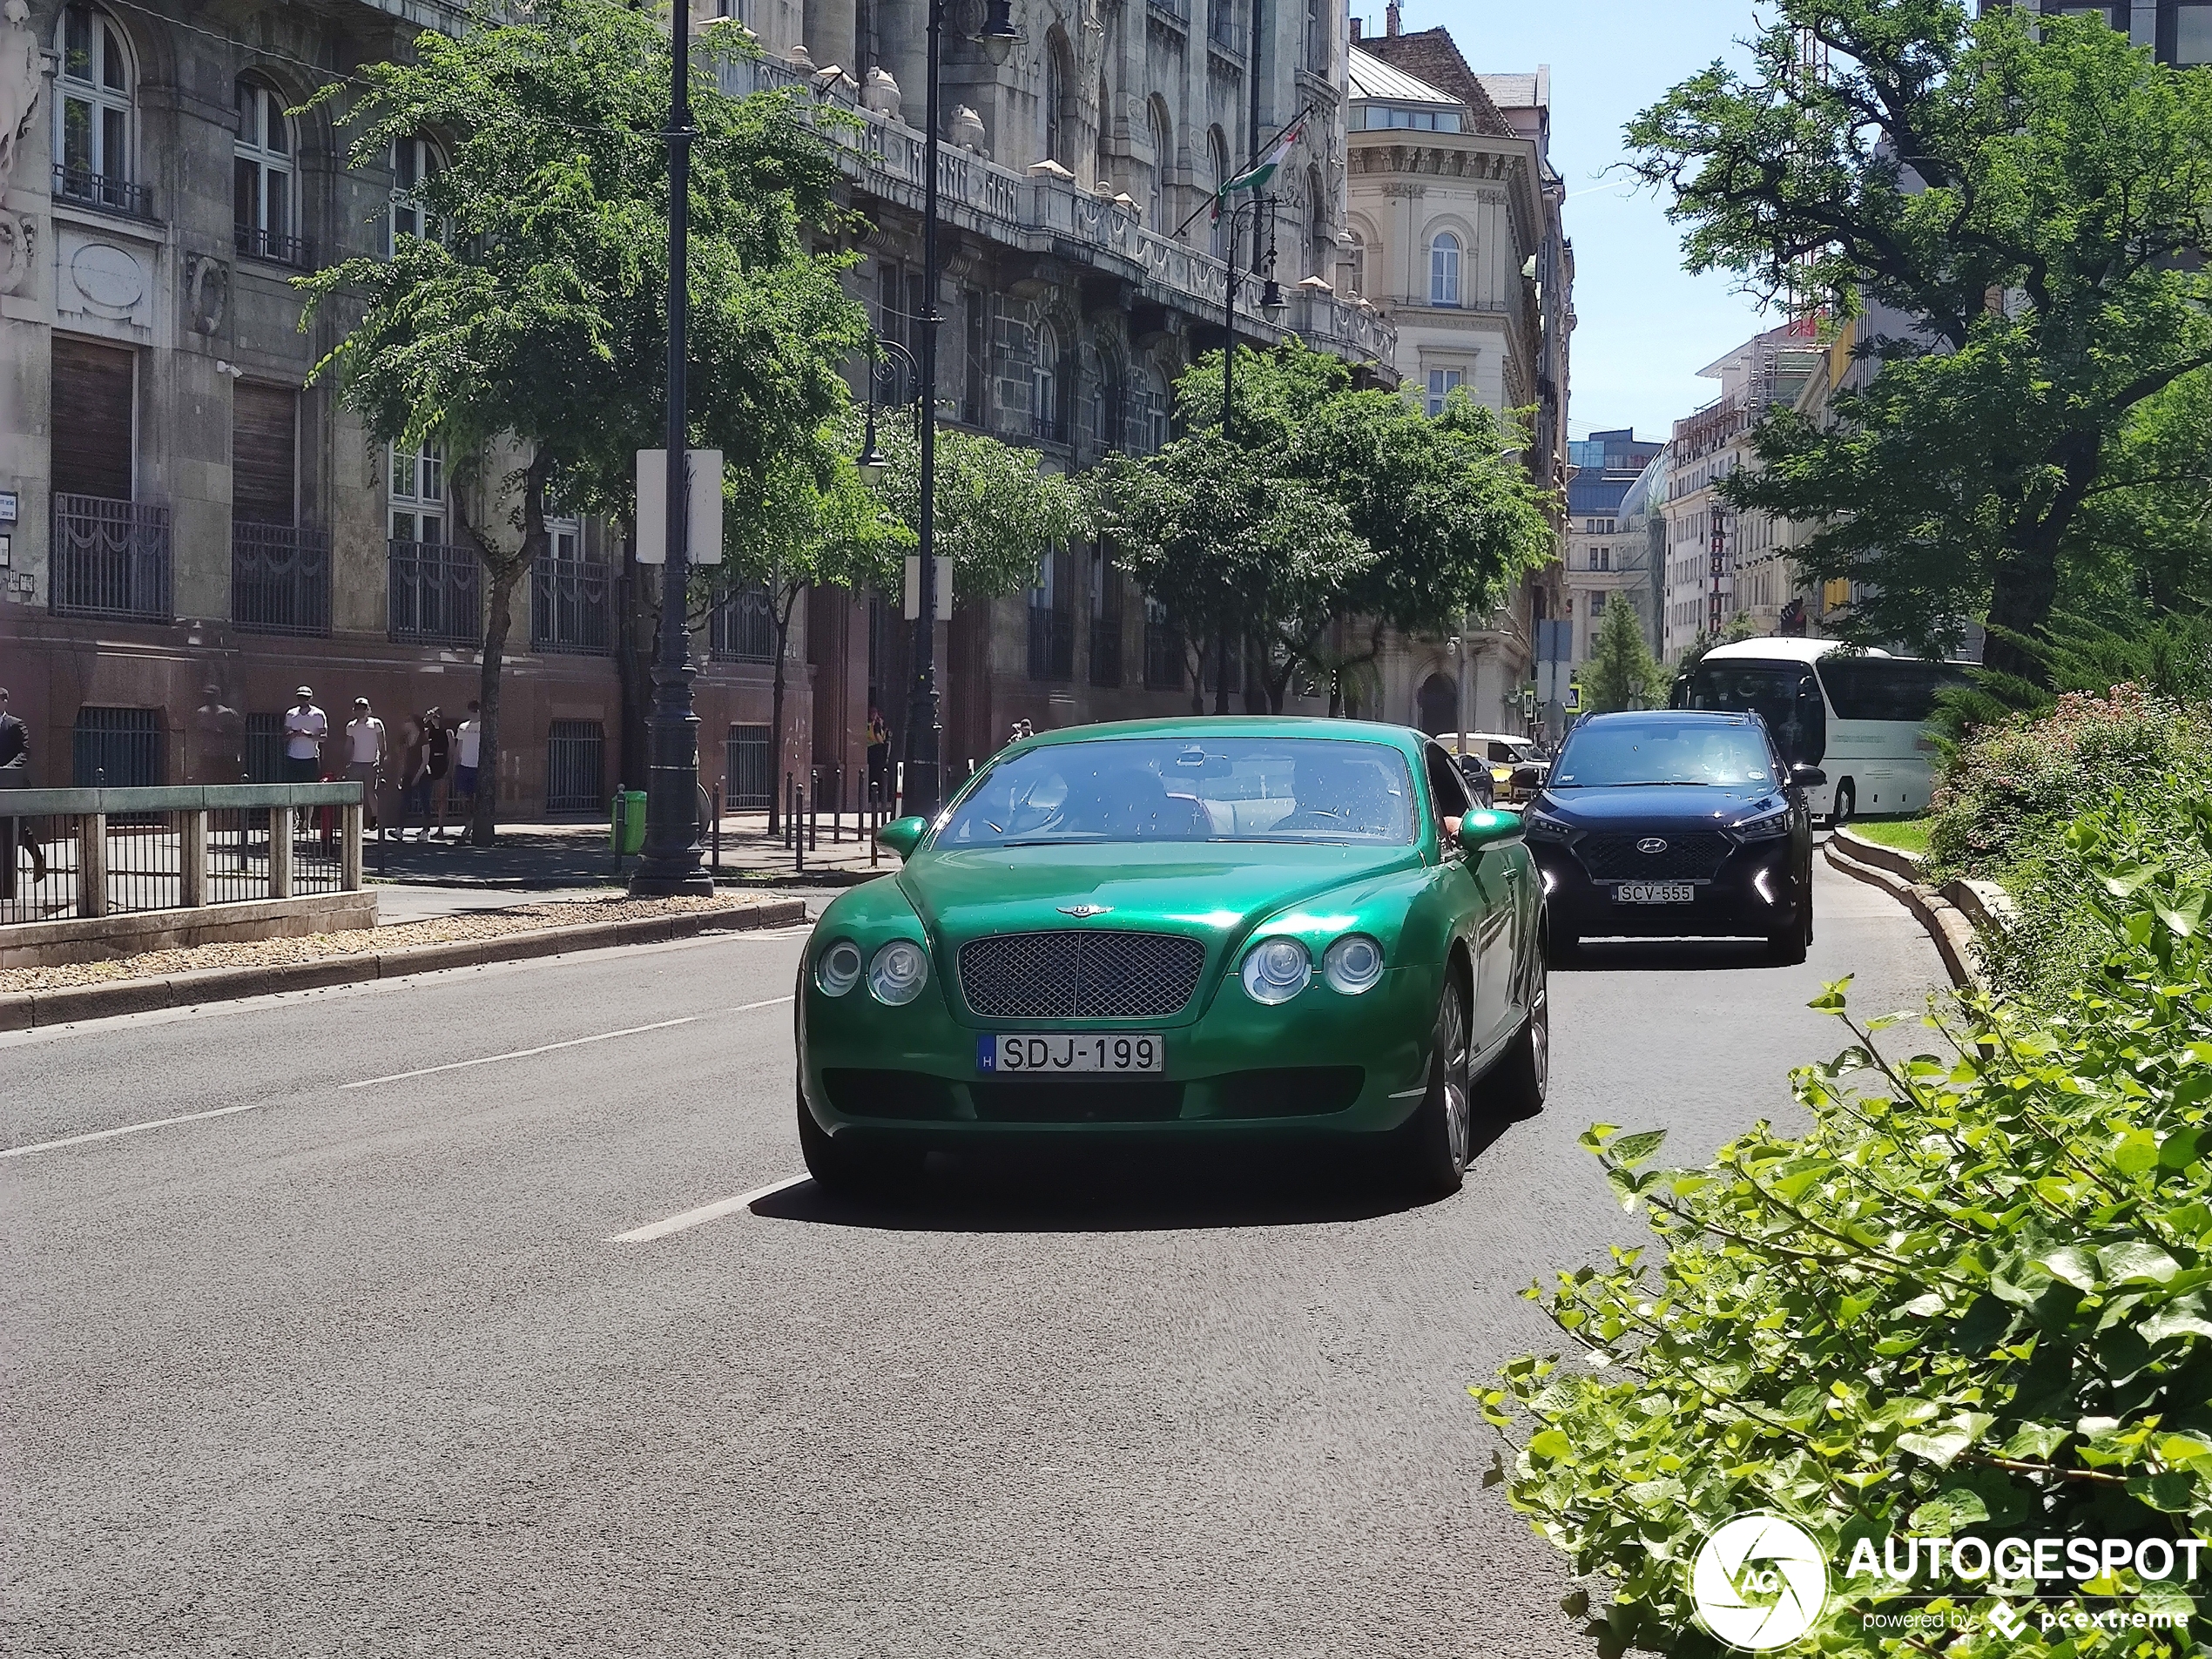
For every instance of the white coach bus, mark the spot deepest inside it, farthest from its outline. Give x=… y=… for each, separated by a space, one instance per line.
x=1860 y=716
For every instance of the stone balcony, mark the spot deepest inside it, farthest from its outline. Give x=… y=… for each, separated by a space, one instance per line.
x=1050 y=217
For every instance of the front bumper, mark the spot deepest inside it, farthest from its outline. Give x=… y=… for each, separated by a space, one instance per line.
x=1755 y=892
x=1323 y=1064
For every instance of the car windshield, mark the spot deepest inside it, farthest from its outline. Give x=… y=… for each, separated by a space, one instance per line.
x=1609 y=753
x=1188 y=789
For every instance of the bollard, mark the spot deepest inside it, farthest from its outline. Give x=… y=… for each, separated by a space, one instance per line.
x=789 y=796
x=717 y=827
x=799 y=839
x=875 y=828
x=837 y=805
x=814 y=822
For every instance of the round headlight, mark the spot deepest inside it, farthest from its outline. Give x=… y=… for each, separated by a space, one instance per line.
x=1352 y=964
x=899 y=972
x=838 y=969
x=1275 y=970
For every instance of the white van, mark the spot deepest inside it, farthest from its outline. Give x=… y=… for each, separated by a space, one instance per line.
x=1860 y=716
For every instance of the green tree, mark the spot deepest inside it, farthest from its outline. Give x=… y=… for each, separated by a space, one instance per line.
x=528 y=335
x=1446 y=519
x=2030 y=195
x=998 y=513
x=1623 y=673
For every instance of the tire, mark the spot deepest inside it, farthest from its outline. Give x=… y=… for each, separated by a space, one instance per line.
x=1436 y=1142
x=1519 y=1082
x=846 y=1170
x=1788 y=948
x=1844 y=805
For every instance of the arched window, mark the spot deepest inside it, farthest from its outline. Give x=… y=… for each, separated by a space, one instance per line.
x=1163 y=166
x=1321 y=245
x=1103 y=152
x=92 y=114
x=1110 y=404
x=1355 y=266
x=1058 y=127
x=1217 y=162
x=1047 y=385
x=413 y=161
x=1444 y=270
x=265 y=178
x=1152 y=434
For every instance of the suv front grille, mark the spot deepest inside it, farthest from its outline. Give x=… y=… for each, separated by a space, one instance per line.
x=1080 y=975
x=1689 y=855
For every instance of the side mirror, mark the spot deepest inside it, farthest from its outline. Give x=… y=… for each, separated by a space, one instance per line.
x=902 y=835
x=1804 y=777
x=1482 y=829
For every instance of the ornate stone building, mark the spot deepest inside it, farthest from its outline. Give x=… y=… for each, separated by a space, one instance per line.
x=194 y=530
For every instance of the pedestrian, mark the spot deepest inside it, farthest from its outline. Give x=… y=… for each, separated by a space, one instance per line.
x=468 y=739
x=15 y=774
x=437 y=740
x=365 y=755
x=879 y=753
x=305 y=728
x=415 y=780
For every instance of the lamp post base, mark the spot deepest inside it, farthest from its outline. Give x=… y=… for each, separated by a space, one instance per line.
x=670 y=863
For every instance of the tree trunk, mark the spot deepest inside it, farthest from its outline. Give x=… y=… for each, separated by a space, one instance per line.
x=790 y=601
x=1221 y=670
x=633 y=657
x=2027 y=584
x=506 y=575
x=1197 y=649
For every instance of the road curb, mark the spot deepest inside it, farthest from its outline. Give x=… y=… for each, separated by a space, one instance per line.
x=30 y=1010
x=1947 y=926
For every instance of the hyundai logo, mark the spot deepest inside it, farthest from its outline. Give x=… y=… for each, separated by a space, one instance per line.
x=1082 y=912
x=1651 y=844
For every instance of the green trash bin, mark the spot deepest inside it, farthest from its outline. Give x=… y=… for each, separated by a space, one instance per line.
x=626 y=835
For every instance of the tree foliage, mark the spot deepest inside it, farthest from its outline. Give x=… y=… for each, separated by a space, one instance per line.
x=2028 y=195
x=1436 y=515
x=534 y=323
x=1969 y=1301
x=998 y=514
x=1622 y=672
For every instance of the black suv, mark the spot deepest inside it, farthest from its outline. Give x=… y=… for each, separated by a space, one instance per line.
x=1663 y=823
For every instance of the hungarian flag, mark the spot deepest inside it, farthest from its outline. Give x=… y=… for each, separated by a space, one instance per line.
x=1257 y=177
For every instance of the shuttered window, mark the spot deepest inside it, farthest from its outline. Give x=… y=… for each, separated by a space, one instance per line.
x=92 y=399
x=265 y=422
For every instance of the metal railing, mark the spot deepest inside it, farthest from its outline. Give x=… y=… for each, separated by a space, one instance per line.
x=576 y=754
x=275 y=246
x=572 y=607
x=280 y=580
x=436 y=594
x=749 y=769
x=1105 y=650
x=119 y=851
x=111 y=558
x=1164 y=663
x=81 y=187
x=742 y=629
x=1052 y=644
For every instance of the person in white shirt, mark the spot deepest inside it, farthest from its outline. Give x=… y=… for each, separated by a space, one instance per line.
x=305 y=728
x=468 y=744
x=365 y=755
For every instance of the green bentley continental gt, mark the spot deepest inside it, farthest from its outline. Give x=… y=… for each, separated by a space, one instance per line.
x=1197 y=929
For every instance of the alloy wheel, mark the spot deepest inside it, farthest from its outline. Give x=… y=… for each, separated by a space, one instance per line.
x=1458 y=1114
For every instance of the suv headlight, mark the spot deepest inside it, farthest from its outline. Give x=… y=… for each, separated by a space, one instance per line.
x=1767 y=827
x=1539 y=826
x=1275 y=970
x=838 y=969
x=899 y=972
x=1353 y=964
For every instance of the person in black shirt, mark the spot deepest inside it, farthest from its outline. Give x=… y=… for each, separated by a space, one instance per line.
x=437 y=750
x=15 y=774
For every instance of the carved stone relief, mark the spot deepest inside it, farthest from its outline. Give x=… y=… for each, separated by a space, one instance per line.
x=18 y=252
x=103 y=278
x=19 y=83
x=207 y=293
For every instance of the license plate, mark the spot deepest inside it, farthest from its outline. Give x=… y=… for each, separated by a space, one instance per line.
x=1655 y=892
x=1089 y=1052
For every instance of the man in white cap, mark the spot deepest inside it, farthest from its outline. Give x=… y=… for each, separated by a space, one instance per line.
x=305 y=728
x=365 y=755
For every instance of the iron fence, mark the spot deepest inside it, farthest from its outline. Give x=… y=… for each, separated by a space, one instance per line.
x=575 y=764
x=436 y=594
x=277 y=249
x=1163 y=657
x=1052 y=644
x=280 y=580
x=743 y=628
x=572 y=607
x=81 y=187
x=749 y=768
x=37 y=868
x=1105 y=650
x=118 y=749
x=111 y=558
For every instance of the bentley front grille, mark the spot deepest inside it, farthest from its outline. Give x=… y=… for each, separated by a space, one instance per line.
x=1080 y=975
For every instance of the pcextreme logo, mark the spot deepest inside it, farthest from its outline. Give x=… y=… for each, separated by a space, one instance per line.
x=1759 y=1582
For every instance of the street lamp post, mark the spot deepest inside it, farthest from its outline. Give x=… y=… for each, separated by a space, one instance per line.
x=670 y=863
x=925 y=735
x=1271 y=302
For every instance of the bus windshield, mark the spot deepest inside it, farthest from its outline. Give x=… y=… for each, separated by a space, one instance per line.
x=1782 y=693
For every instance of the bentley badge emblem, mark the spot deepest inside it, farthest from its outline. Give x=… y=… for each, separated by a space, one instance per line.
x=1651 y=844
x=1081 y=912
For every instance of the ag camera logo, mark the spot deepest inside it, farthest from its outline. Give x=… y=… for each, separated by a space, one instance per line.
x=1759 y=1582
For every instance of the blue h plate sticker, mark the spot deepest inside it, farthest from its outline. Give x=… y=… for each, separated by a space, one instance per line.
x=987 y=1054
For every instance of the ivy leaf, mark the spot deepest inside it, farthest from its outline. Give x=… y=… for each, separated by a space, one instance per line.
x=2173 y=1492
x=2135 y=1262
x=2178 y=1150
x=1629 y=1150
x=2135 y=1152
x=2075 y=1266
x=1942 y=1448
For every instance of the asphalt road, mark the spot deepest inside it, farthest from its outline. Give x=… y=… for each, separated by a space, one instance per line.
x=357 y=1368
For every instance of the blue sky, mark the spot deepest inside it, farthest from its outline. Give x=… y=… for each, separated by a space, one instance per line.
x=1646 y=325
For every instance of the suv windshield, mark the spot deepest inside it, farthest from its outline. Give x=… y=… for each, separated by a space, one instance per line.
x=1187 y=789
x=1613 y=753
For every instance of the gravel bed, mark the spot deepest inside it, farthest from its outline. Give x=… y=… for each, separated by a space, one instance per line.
x=260 y=953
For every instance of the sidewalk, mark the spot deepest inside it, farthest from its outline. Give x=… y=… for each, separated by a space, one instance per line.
x=537 y=857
